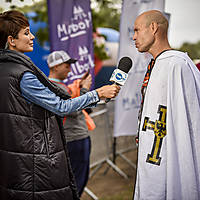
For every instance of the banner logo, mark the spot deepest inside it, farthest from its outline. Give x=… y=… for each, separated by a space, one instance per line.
x=84 y=63
x=80 y=22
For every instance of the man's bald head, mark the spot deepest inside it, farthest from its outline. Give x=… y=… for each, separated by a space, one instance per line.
x=150 y=32
x=155 y=16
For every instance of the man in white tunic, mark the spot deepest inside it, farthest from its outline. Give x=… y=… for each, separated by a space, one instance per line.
x=169 y=130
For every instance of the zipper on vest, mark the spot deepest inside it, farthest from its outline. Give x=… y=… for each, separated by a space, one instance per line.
x=46 y=143
x=45 y=135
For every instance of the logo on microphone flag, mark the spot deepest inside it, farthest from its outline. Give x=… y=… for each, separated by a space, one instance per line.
x=118 y=76
x=70 y=28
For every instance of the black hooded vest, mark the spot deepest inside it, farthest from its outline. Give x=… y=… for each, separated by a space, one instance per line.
x=34 y=163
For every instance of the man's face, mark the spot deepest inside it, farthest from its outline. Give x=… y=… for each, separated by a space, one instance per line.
x=63 y=70
x=143 y=35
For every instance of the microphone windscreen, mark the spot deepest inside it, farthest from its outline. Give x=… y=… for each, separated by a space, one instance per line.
x=125 y=64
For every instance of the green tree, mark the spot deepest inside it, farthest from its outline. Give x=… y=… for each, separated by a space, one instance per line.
x=193 y=49
x=106 y=13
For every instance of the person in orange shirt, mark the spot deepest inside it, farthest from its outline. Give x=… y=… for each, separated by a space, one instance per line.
x=76 y=124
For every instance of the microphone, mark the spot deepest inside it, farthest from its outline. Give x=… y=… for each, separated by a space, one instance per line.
x=120 y=75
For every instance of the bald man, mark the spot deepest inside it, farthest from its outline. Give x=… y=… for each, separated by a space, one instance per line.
x=169 y=133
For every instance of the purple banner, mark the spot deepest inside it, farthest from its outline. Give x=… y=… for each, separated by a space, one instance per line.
x=70 y=29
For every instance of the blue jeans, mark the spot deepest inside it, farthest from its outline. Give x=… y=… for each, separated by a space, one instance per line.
x=79 y=153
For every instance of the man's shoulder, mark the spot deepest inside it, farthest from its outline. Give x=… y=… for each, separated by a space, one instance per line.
x=174 y=57
x=173 y=54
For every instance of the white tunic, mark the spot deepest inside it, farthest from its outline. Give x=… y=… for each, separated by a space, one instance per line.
x=169 y=137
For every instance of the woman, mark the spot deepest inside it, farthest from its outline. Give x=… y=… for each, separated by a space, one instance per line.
x=34 y=162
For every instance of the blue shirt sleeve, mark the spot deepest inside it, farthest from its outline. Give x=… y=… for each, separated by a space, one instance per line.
x=34 y=91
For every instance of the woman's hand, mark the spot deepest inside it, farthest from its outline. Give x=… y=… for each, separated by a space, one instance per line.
x=108 y=91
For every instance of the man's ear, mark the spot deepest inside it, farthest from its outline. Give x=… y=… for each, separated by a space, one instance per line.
x=11 y=41
x=55 y=68
x=154 y=27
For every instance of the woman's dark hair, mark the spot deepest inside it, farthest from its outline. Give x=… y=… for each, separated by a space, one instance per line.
x=11 y=22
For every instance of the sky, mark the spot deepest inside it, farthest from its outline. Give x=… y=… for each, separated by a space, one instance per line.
x=184 y=20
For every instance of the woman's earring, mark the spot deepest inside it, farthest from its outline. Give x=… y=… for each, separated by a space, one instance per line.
x=6 y=46
x=13 y=43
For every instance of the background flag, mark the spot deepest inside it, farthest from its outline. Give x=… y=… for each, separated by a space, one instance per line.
x=70 y=28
